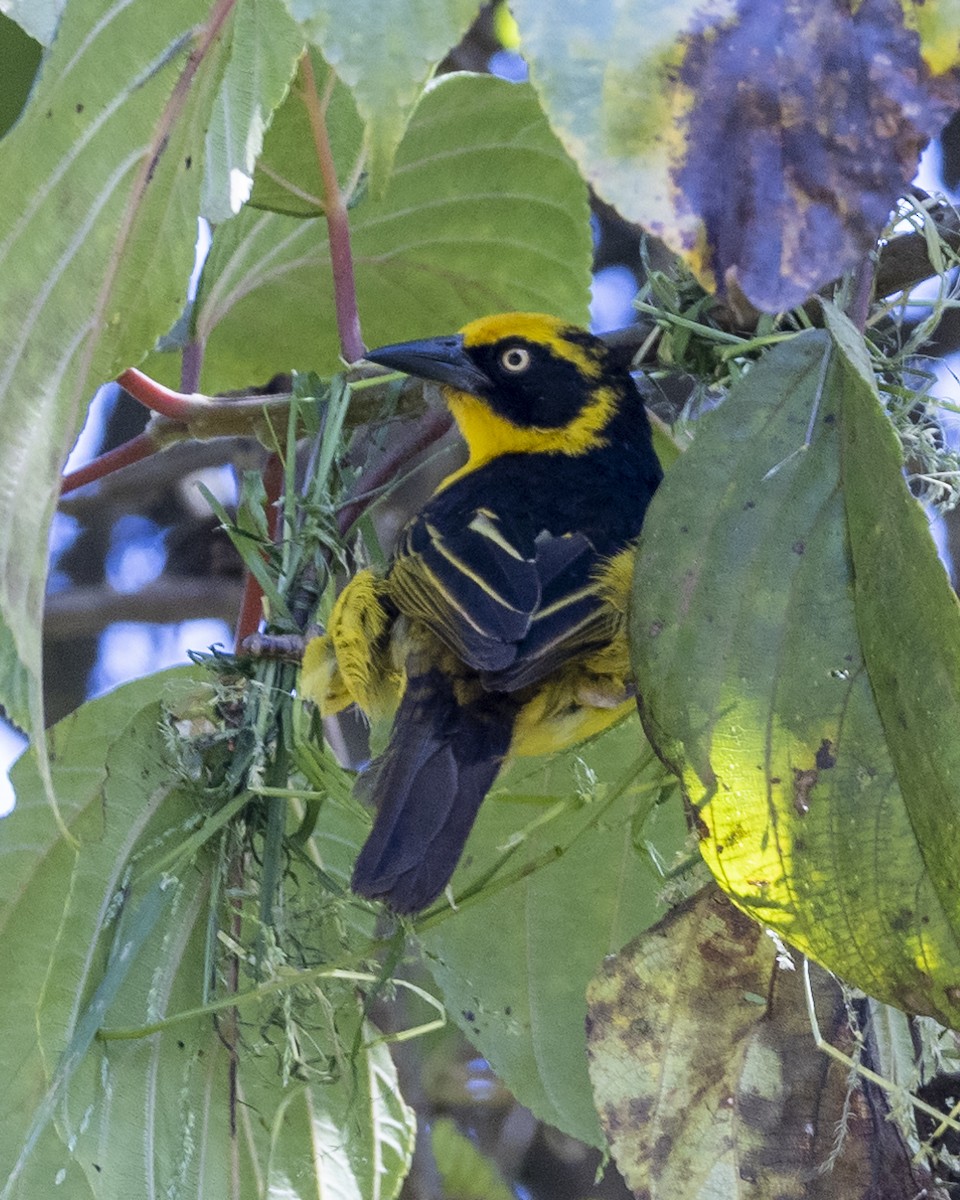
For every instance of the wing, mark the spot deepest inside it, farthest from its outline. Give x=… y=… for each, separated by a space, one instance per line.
x=512 y=611
x=473 y=585
x=572 y=617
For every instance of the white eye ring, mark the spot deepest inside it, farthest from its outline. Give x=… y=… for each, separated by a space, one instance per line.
x=515 y=360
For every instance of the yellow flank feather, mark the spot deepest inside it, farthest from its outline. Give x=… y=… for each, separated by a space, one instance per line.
x=362 y=667
x=615 y=579
x=577 y=702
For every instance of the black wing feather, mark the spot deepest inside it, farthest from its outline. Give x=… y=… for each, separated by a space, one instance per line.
x=442 y=759
x=471 y=585
x=512 y=608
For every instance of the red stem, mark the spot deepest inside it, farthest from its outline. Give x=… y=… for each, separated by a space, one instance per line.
x=338 y=221
x=432 y=426
x=138 y=448
x=168 y=403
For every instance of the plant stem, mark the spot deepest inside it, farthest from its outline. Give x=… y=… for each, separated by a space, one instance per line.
x=338 y=222
x=177 y=406
x=137 y=449
x=190 y=365
x=862 y=289
x=252 y=604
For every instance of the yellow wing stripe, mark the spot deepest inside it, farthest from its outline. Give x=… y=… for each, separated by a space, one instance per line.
x=421 y=575
x=465 y=570
x=564 y=601
x=483 y=523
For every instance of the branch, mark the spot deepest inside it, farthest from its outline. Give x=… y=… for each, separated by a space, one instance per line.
x=136 y=491
x=136 y=450
x=403 y=448
x=82 y=611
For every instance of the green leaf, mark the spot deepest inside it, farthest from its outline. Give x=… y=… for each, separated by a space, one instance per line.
x=384 y=53
x=514 y=964
x=264 y=49
x=99 y=185
x=287 y=178
x=484 y=212
x=69 y=922
x=735 y=132
x=121 y=935
x=352 y=1137
x=908 y=618
x=754 y=686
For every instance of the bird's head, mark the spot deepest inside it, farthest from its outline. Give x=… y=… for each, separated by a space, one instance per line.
x=519 y=383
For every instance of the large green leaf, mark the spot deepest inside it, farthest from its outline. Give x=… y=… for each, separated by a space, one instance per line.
x=121 y=933
x=99 y=184
x=287 y=178
x=748 y=656
x=908 y=618
x=264 y=48
x=764 y=141
x=359 y=1130
x=484 y=212
x=514 y=964
x=64 y=919
x=385 y=53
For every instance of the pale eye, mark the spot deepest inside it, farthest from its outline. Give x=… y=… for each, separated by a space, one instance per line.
x=515 y=360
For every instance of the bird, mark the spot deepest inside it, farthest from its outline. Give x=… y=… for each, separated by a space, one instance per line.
x=499 y=626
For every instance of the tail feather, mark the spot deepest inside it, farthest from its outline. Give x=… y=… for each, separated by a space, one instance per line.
x=442 y=759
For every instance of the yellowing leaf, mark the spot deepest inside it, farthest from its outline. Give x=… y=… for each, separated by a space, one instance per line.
x=938 y=24
x=816 y=815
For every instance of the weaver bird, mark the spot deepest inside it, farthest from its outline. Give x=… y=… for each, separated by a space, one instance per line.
x=499 y=627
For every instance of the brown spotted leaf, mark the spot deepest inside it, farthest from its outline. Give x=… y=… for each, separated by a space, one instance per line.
x=750 y=1111
x=766 y=141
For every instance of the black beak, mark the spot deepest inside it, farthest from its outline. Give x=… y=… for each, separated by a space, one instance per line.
x=439 y=359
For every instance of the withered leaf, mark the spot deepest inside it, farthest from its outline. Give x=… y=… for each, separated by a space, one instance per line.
x=808 y=120
x=708 y=1080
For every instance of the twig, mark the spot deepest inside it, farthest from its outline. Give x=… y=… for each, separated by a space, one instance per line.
x=429 y=429
x=136 y=450
x=176 y=406
x=862 y=292
x=82 y=611
x=190 y=365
